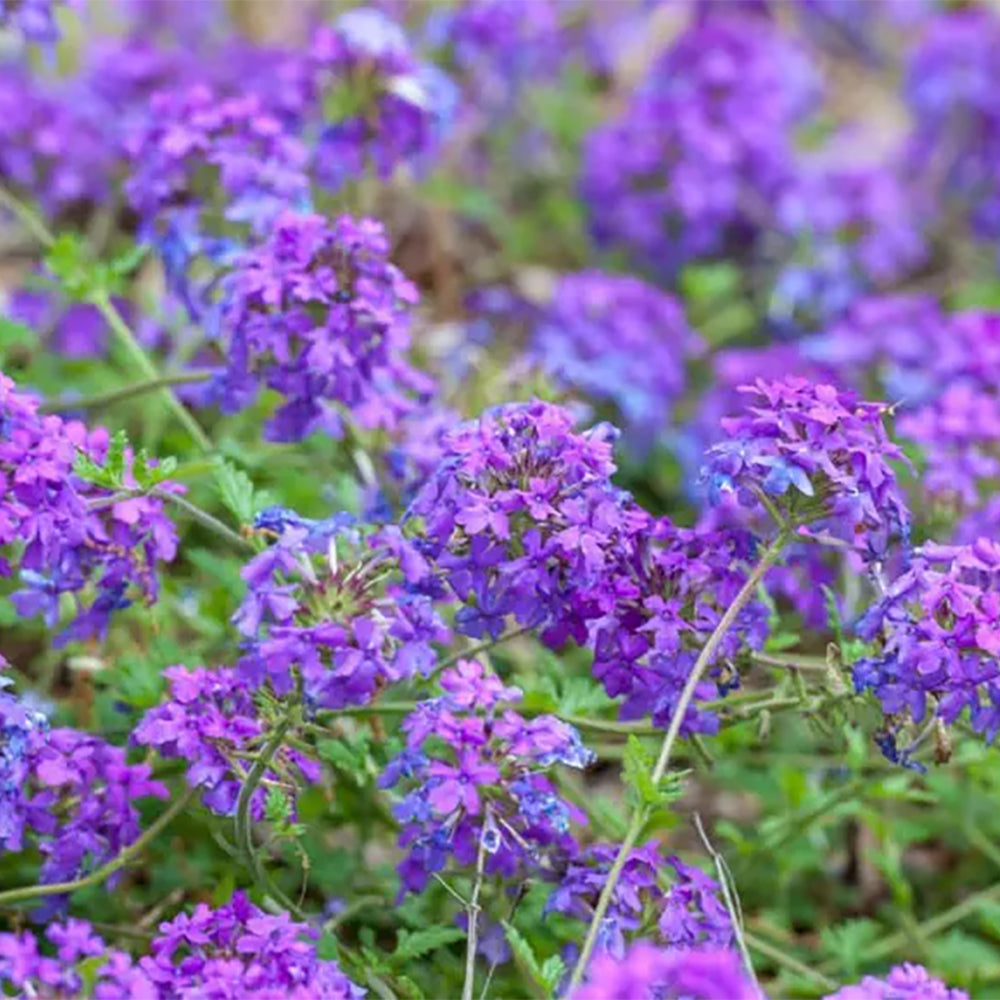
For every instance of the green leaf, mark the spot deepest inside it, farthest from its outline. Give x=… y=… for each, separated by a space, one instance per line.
x=414 y=944
x=74 y=269
x=637 y=765
x=546 y=975
x=237 y=492
x=124 y=265
x=14 y=335
x=114 y=462
x=847 y=941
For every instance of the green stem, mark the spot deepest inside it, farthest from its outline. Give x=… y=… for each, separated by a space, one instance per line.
x=103 y=399
x=101 y=301
x=205 y=519
x=786 y=961
x=244 y=825
x=99 y=875
x=481 y=647
x=640 y=812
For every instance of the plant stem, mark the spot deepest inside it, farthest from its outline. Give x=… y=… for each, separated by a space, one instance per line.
x=639 y=815
x=244 y=826
x=126 y=392
x=205 y=519
x=101 y=301
x=107 y=870
x=481 y=647
x=472 y=935
x=789 y=962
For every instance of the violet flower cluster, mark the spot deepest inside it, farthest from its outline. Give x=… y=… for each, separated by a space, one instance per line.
x=75 y=800
x=650 y=973
x=34 y=20
x=210 y=721
x=475 y=773
x=317 y=313
x=327 y=612
x=937 y=629
x=66 y=536
x=815 y=453
x=693 y=164
x=617 y=340
x=904 y=982
x=237 y=950
x=688 y=915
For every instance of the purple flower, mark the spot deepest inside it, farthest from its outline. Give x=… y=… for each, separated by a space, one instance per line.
x=904 y=982
x=475 y=776
x=650 y=973
x=619 y=340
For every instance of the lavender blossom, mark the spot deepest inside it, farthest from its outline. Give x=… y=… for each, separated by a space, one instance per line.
x=904 y=982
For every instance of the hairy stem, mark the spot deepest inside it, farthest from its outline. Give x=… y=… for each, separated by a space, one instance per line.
x=126 y=392
x=640 y=812
x=205 y=519
x=99 y=875
x=472 y=936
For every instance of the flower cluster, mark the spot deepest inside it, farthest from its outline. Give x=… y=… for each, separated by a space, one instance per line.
x=227 y=158
x=951 y=82
x=19 y=724
x=70 y=537
x=237 y=950
x=694 y=162
x=670 y=588
x=77 y=802
x=817 y=454
x=620 y=340
x=688 y=915
x=34 y=20
x=850 y=229
x=520 y=518
x=25 y=968
x=480 y=787
x=318 y=314
x=327 y=611
x=209 y=719
x=938 y=628
x=650 y=973
x=904 y=982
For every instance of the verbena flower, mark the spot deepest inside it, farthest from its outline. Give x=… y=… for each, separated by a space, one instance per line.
x=619 y=340
x=327 y=610
x=938 y=634
x=520 y=519
x=34 y=20
x=67 y=536
x=19 y=725
x=475 y=774
x=952 y=77
x=238 y=950
x=317 y=313
x=692 y=165
x=689 y=914
x=32 y=972
x=209 y=719
x=650 y=973
x=904 y=982
x=670 y=587
x=819 y=455
x=76 y=805
x=850 y=230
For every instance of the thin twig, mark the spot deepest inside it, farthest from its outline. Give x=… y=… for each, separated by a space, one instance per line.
x=205 y=519
x=103 y=399
x=472 y=934
x=99 y=875
x=789 y=962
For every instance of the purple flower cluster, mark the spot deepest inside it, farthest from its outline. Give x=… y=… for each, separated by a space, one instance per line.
x=328 y=612
x=952 y=81
x=620 y=340
x=938 y=632
x=77 y=800
x=650 y=973
x=670 y=587
x=850 y=229
x=33 y=20
x=904 y=982
x=317 y=313
x=210 y=719
x=221 y=158
x=19 y=726
x=237 y=950
x=26 y=969
x=520 y=519
x=67 y=536
x=694 y=163
x=478 y=771
x=688 y=915
x=51 y=144
x=818 y=454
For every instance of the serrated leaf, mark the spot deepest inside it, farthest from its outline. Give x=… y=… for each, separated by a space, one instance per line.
x=414 y=944
x=114 y=462
x=847 y=941
x=637 y=765
x=524 y=953
x=236 y=491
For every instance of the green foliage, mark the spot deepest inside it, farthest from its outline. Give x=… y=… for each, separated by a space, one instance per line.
x=113 y=472
x=544 y=975
x=81 y=276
